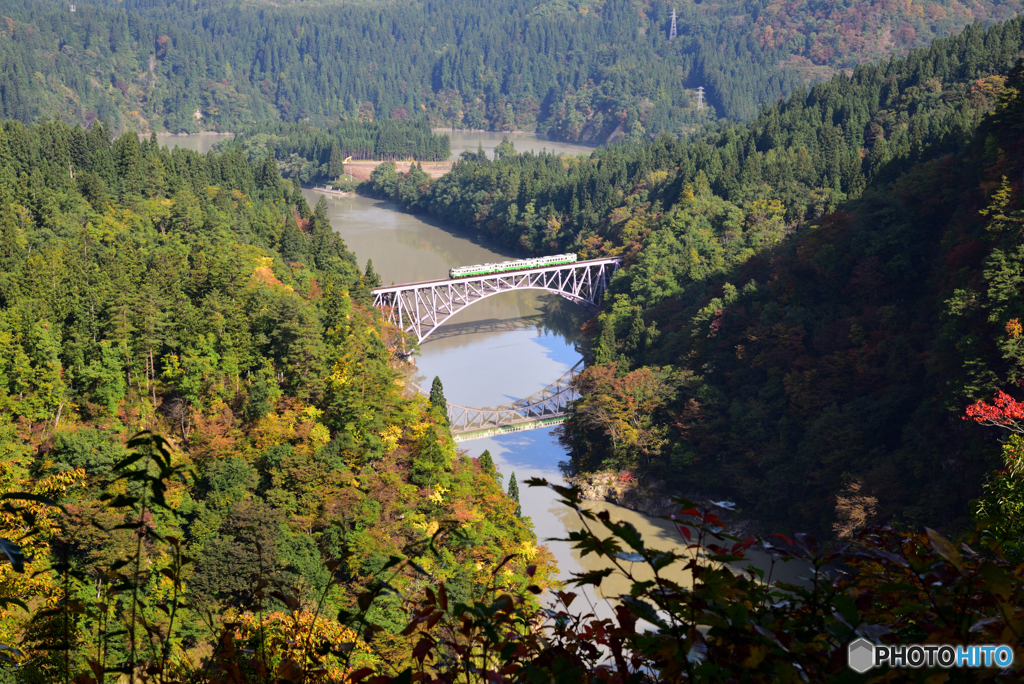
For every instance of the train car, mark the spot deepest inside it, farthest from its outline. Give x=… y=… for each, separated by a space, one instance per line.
x=517 y=265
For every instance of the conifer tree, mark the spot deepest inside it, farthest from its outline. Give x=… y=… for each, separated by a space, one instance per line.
x=635 y=340
x=432 y=461
x=294 y=244
x=371 y=278
x=487 y=465
x=513 y=493
x=334 y=165
x=437 y=400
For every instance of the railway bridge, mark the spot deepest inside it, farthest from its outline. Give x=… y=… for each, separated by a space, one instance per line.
x=422 y=308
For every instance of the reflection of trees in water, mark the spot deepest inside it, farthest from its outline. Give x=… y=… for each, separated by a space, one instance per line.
x=486 y=326
x=462 y=141
x=451 y=251
x=362 y=213
x=561 y=317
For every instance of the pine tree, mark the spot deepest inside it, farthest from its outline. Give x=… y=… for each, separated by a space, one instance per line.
x=334 y=165
x=298 y=200
x=370 y=278
x=487 y=465
x=294 y=244
x=513 y=493
x=432 y=460
x=437 y=400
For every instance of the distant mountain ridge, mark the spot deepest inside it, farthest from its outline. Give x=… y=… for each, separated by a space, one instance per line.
x=578 y=71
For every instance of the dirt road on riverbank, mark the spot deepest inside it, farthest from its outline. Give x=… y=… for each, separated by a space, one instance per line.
x=362 y=169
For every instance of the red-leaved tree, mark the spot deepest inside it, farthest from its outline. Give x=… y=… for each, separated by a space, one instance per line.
x=1004 y=412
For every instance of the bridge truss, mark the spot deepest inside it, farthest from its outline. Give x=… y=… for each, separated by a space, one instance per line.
x=421 y=308
x=546 y=407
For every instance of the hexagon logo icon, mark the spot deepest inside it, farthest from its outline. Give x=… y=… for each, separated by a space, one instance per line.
x=861 y=655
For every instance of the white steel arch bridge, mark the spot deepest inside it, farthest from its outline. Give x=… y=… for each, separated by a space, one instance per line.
x=422 y=308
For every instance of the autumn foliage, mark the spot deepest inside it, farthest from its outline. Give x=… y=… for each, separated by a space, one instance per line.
x=1004 y=412
x=202 y=300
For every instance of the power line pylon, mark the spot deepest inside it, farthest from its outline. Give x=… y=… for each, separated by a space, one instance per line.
x=700 y=98
x=672 y=31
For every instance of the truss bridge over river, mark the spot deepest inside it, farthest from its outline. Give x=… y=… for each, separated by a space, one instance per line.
x=421 y=308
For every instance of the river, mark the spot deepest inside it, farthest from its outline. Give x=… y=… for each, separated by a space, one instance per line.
x=502 y=348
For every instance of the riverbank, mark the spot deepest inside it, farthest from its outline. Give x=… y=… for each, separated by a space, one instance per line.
x=362 y=168
x=186 y=135
x=650 y=499
x=332 y=192
x=479 y=130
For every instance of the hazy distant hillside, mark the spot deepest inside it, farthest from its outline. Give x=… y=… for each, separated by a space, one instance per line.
x=580 y=71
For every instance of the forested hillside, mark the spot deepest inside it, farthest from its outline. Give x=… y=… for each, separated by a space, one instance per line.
x=580 y=71
x=198 y=297
x=804 y=314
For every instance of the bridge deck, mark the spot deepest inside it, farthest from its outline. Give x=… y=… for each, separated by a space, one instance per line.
x=424 y=283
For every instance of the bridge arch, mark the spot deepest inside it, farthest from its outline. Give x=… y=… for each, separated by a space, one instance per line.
x=446 y=316
x=422 y=308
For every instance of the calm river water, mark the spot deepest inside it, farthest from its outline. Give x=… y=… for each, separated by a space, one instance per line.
x=503 y=348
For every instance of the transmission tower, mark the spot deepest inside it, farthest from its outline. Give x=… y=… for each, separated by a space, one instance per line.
x=672 y=31
x=700 y=98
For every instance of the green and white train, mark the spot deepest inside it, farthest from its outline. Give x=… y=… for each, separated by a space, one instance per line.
x=517 y=265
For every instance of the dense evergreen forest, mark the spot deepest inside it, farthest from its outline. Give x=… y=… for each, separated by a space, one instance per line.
x=200 y=298
x=811 y=299
x=582 y=71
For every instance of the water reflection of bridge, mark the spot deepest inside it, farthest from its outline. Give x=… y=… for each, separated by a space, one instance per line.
x=542 y=409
